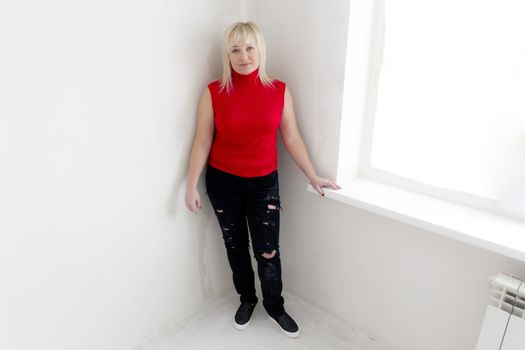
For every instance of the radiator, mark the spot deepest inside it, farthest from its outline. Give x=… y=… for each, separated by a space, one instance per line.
x=503 y=327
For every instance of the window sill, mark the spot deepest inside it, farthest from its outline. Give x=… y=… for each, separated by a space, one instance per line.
x=482 y=229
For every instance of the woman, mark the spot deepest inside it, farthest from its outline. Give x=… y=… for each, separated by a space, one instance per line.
x=237 y=122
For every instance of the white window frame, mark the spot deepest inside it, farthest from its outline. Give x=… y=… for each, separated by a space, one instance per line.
x=468 y=221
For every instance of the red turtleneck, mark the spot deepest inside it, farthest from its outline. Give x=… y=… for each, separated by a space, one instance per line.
x=246 y=122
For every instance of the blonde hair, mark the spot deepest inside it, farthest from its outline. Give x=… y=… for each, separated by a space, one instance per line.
x=242 y=33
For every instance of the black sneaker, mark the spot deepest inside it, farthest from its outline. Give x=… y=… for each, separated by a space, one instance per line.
x=243 y=315
x=287 y=325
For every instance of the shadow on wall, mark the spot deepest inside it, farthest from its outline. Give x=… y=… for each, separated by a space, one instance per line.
x=192 y=76
x=186 y=112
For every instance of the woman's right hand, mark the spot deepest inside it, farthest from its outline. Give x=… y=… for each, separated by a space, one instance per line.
x=193 y=200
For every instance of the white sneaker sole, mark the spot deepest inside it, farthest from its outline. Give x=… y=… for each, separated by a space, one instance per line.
x=288 y=334
x=241 y=326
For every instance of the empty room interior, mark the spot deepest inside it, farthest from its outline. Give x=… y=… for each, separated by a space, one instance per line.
x=415 y=108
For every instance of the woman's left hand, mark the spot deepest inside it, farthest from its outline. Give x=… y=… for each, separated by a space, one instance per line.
x=318 y=183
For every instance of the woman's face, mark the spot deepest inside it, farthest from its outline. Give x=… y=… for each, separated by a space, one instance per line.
x=244 y=58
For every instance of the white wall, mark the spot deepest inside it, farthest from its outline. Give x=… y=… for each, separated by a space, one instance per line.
x=406 y=287
x=97 y=111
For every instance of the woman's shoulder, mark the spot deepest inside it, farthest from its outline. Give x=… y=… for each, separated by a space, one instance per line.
x=278 y=84
x=214 y=86
x=214 y=83
x=278 y=81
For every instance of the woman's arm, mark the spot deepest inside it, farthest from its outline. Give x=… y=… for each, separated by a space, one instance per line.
x=199 y=151
x=295 y=146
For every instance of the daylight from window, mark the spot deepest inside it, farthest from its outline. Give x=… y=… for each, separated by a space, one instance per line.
x=450 y=98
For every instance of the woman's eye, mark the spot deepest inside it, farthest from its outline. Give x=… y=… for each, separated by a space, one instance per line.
x=250 y=48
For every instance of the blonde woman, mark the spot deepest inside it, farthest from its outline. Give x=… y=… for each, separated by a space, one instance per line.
x=237 y=122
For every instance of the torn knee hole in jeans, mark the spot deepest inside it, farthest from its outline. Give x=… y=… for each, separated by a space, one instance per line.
x=269 y=255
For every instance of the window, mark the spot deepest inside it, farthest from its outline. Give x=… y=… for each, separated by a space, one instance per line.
x=439 y=89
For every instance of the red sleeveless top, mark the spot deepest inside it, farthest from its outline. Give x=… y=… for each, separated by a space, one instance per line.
x=246 y=120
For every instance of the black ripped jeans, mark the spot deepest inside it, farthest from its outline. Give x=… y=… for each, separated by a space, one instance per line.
x=239 y=203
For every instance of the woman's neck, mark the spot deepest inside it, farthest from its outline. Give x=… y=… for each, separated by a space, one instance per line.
x=248 y=78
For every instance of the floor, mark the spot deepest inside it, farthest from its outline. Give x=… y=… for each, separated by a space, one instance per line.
x=212 y=328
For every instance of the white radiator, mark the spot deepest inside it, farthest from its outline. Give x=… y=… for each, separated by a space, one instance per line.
x=504 y=323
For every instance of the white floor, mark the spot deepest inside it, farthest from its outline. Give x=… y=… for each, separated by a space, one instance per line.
x=212 y=328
